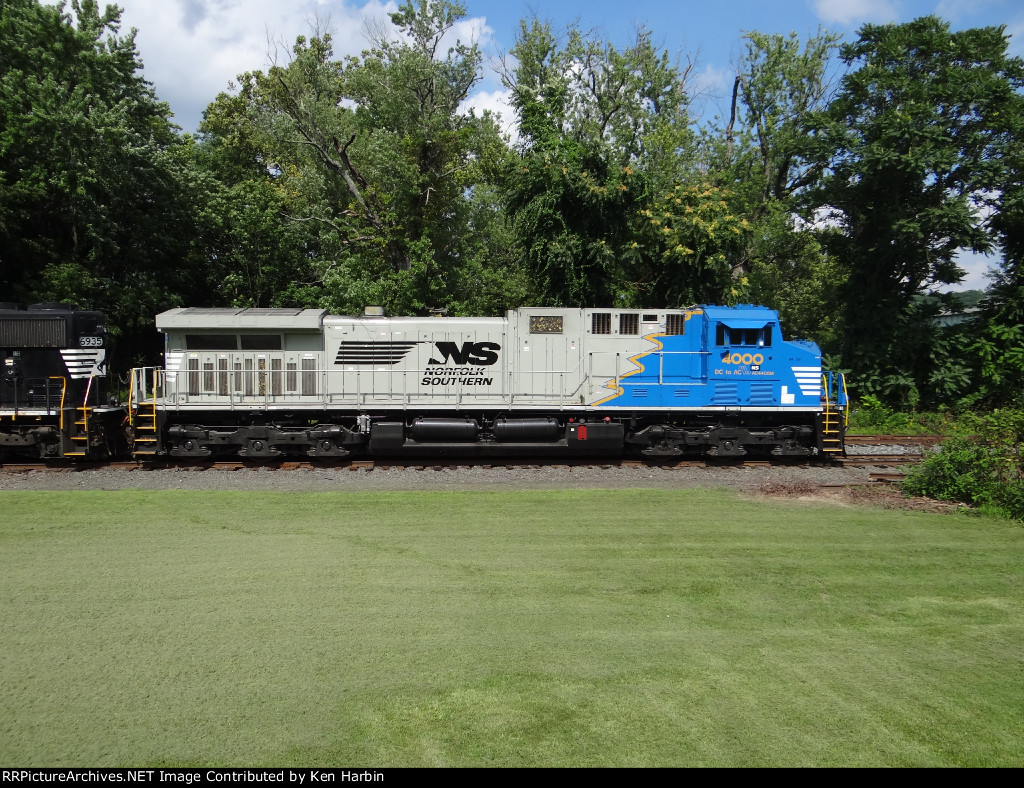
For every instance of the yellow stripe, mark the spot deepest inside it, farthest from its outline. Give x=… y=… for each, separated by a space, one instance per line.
x=639 y=368
x=618 y=391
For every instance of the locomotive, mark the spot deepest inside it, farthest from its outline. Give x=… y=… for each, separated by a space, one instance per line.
x=53 y=395
x=275 y=383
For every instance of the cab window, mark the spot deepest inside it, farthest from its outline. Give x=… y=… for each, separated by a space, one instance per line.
x=743 y=337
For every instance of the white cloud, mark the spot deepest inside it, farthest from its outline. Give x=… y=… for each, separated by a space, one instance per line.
x=847 y=12
x=471 y=31
x=192 y=49
x=498 y=103
x=712 y=80
x=711 y=91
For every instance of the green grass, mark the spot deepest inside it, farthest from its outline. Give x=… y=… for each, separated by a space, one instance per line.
x=596 y=628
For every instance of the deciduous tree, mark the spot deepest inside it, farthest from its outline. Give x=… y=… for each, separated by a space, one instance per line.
x=914 y=144
x=96 y=207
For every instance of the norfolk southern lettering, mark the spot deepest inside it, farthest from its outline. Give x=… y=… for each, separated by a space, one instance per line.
x=469 y=361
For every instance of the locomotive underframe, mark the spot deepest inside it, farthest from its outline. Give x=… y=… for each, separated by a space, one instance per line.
x=29 y=434
x=30 y=437
x=327 y=435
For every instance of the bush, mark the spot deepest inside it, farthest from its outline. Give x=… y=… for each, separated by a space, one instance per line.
x=873 y=415
x=984 y=470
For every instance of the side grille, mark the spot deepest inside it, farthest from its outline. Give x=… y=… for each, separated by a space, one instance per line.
x=33 y=332
x=726 y=394
x=762 y=394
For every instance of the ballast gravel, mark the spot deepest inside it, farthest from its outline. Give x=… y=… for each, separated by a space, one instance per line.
x=342 y=479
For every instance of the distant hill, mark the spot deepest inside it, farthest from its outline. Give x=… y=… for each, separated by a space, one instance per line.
x=968 y=299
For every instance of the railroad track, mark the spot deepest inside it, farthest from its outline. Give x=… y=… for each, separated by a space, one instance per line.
x=437 y=464
x=442 y=464
x=884 y=460
x=891 y=440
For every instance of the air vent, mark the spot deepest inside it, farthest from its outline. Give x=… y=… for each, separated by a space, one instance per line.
x=33 y=332
x=601 y=323
x=675 y=324
x=762 y=394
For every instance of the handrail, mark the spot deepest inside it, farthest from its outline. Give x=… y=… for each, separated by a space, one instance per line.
x=131 y=398
x=846 y=401
x=842 y=396
x=63 y=392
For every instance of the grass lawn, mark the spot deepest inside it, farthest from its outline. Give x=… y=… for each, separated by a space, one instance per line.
x=587 y=628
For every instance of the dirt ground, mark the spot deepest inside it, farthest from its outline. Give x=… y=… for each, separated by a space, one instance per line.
x=887 y=496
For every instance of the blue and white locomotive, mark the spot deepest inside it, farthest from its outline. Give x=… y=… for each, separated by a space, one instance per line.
x=265 y=383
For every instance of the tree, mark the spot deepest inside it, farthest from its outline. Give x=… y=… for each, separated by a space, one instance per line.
x=775 y=95
x=914 y=143
x=383 y=141
x=996 y=339
x=605 y=134
x=96 y=206
x=761 y=158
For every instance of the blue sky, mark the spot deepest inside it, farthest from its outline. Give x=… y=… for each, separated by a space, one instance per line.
x=192 y=49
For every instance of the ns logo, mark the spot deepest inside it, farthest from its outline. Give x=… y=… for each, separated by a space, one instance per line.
x=481 y=354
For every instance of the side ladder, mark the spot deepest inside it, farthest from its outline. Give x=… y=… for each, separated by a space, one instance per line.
x=79 y=434
x=146 y=388
x=832 y=420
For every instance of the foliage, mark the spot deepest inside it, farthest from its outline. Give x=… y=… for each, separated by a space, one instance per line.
x=398 y=160
x=97 y=207
x=985 y=470
x=602 y=165
x=760 y=157
x=790 y=271
x=914 y=144
x=997 y=341
x=689 y=236
x=871 y=415
x=777 y=92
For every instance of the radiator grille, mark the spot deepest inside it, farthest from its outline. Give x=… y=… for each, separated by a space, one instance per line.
x=34 y=332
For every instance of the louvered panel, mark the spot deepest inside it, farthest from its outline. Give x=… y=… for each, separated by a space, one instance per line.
x=33 y=332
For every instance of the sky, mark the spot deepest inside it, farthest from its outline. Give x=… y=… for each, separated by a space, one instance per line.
x=193 y=49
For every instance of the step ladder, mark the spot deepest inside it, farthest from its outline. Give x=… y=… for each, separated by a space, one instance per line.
x=79 y=434
x=833 y=418
x=146 y=387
